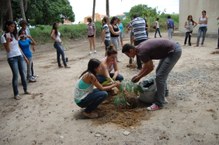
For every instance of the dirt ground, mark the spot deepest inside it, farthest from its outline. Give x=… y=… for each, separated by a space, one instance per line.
x=49 y=117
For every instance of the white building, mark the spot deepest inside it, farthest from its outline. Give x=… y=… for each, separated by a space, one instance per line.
x=194 y=8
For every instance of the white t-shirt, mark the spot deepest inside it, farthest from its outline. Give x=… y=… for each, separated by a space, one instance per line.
x=58 y=37
x=157 y=24
x=14 y=47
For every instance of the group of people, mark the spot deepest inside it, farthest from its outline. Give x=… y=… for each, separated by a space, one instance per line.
x=19 y=55
x=90 y=89
x=145 y=50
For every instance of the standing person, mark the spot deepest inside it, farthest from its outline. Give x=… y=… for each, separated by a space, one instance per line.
x=91 y=34
x=110 y=68
x=15 y=58
x=218 y=33
x=55 y=35
x=157 y=28
x=170 y=27
x=189 y=25
x=138 y=25
x=203 y=23
x=121 y=28
x=85 y=96
x=24 y=27
x=131 y=38
x=167 y=52
x=114 y=32
x=24 y=43
x=105 y=35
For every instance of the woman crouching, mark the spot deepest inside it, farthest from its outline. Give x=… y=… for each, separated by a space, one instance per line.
x=85 y=95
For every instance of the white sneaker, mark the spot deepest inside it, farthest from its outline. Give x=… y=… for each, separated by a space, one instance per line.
x=95 y=51
x=90 y=52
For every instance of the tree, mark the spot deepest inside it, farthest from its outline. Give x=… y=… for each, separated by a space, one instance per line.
x=5 y=11
x=94 y=7
x=49 y=11
x=23 y=7
x=107 y=8
x=143 y=11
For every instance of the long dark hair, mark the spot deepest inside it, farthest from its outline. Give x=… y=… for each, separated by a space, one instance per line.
x=191 y=19
x=54 y=27
x=92 y=65
x=112 y=20
x=8 y=23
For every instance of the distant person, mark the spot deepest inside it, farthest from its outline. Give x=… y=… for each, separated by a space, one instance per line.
x=203 y=23
x=91 y=34
x=85 y=95
x=168 y=52
x=138 y=25
x=114 y=32
x=110 y=69
x=121 y=28
x=157 y=28
x=189 y=25
x=170 y=27
x=25 y=42
x=105 y=34
x=131 y=39
x=218 y=33
x=56 y=36
x=24 y=27
x=15 y=57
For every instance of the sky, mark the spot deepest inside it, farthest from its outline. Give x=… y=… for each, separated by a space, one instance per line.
x=83 y=8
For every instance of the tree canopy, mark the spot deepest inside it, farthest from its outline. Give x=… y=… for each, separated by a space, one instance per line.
x=142 y=11
x=37 y=11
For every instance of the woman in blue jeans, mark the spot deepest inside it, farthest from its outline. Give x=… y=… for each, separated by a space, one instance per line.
x=15 y=58
x=85 y=96
x=55 y=35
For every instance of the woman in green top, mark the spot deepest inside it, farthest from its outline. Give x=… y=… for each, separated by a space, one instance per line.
x=85 y=95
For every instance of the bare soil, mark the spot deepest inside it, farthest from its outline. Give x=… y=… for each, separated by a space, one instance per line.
x=50 y=117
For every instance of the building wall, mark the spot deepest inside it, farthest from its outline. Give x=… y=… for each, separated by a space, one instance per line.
x=194 y=8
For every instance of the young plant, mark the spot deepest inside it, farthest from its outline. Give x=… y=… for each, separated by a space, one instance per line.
x=126 y=89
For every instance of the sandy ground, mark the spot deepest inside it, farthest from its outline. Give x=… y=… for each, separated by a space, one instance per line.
x=48 y=116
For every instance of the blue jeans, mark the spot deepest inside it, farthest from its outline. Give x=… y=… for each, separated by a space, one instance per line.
x=201 y=32
x=17 y=64
x=107 y=44
x=102 y=78
x=92 y=100
x=60 y=51
x=163 y=69
x=170 y=33
x=157 y=30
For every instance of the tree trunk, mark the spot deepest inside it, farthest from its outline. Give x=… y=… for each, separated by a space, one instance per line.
x=22 y=10
x=107 y=8
x=94 y=7
x=9 y=11
x=3 y=11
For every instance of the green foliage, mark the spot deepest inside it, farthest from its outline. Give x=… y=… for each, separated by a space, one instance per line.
x=126 y=87
x=49 y=11
x=142 y=11
x=42 y=32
